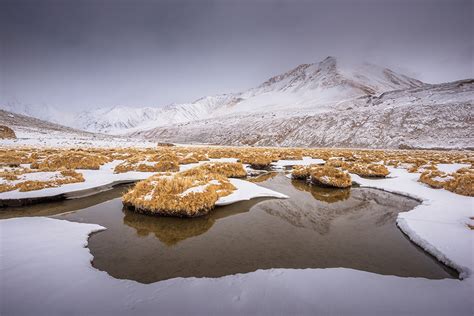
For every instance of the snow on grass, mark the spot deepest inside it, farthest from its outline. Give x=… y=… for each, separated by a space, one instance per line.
x=34 y=176
x=93 y=179
x=199 y=188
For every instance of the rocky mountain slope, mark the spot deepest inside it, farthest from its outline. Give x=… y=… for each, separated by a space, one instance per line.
x=321 y=104
x=23 y=124
x=314 y=87
x=428 y=116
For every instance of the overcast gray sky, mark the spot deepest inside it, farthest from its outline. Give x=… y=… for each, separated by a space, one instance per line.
x=85 y=54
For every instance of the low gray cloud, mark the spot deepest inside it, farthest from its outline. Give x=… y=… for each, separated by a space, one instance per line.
x=86 y=54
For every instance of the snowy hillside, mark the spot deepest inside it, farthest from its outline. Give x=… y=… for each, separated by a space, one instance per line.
x=424 y=117
x=35 y=132
x=314 y=87
x=119 y=120
x=327 y=103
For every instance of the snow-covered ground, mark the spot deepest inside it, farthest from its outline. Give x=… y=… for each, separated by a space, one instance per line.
x=105 y=177
x=61 y=139
x=46 y=269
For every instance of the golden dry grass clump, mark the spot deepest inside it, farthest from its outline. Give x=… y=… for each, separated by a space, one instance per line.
x=422 y=168
x=330 y=176
x=463 y=182
x=187 y=194
x=70 y=159
x=192 y=157
x=460 y=182
x=165 y=145
x=368 y=170
x=226 y=169
x=6 y=132
x=257 y=161
x=164 y=162
x=16 y=183
x=360 y=168
x=435 y=178
x=302 y=172
x=9 y=157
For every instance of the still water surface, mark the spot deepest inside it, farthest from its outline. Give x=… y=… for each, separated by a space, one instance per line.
x=315 y=228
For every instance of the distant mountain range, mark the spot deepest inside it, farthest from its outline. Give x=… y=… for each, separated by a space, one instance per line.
x=319 y=104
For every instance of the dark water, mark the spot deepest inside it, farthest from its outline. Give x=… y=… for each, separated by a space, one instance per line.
x=315 y=228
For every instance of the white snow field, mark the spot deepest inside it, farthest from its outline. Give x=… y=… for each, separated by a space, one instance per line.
x=46 y=270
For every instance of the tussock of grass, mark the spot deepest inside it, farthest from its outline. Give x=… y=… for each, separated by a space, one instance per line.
x=165 y=145
x=302 y=172
x=66 y=177
x=368 y=170
x=330 y=176
x=6 y=132
x=187 y=194
x=460 y=182
x=422 y=168
x=165 y=162
x=362 y=169
x=257 y=162
x=226 y=169
x=435 y=178
x=463 y=182
x=71 y=160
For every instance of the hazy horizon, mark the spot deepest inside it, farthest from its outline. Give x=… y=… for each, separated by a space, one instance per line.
x=87 y=54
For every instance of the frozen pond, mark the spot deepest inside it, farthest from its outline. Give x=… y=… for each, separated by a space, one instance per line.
x=314 y=228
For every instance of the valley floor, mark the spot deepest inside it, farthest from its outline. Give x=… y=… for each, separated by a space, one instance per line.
x=46 y=270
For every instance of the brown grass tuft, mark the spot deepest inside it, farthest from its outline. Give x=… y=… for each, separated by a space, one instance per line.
x=66 y=176
x=226 y=169
x=186 y=194
x=368 y=170
x=71 y=160
x=435 y=179
x=6 y=132
x=460 y=182
x=330 y=176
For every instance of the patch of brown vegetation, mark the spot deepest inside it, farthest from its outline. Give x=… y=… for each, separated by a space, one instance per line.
x=302 y=172
x=173 y=195
x=460 y=182
x=435 y=178
x=71 y=160
x=330 y=176
x=6 y=132
x=463 y=182
x=165 y=145
x=226 y=169
x=368 y=170
x=257 y=162
x=66 y=177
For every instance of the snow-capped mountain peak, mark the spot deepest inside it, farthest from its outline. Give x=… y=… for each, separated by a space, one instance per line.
x=315 y=87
